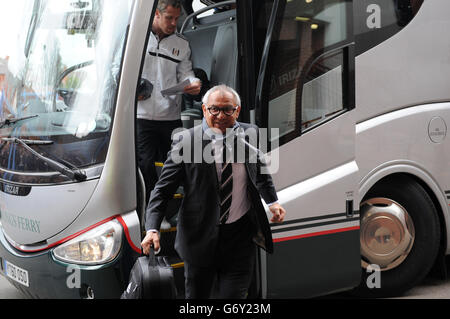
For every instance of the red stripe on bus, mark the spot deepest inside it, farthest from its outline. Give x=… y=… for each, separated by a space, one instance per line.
x=66 y=238
x=326 y=232
x=127 y=235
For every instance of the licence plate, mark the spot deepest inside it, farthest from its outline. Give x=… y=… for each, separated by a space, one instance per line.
x=17 y=274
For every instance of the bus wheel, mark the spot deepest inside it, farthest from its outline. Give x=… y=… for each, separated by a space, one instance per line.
x=399 y=237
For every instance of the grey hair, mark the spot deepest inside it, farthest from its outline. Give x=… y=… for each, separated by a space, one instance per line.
x=163 y=4
x=221 y=88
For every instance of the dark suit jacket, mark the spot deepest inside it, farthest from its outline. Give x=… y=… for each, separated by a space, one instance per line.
x=197 y=230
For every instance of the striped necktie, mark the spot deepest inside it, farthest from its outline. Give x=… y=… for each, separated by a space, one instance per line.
x=226 y=187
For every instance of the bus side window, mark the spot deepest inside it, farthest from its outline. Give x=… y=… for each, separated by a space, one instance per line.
x=322 y=94
x=308 y=66
x=376 y=21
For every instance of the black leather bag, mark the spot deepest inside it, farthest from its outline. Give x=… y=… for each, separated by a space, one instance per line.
x=151 y=278
x=144 y=90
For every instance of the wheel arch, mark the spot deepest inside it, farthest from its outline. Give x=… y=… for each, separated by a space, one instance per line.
x=420 y=176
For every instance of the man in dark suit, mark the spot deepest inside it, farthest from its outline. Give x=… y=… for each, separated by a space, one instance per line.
x=222 y=215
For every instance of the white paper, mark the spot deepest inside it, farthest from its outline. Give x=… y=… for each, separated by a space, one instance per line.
x=176 y=89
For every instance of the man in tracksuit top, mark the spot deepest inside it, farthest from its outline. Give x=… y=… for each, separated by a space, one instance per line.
x=167 y=63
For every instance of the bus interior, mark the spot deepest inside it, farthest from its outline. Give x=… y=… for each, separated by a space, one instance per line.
x=213 y=42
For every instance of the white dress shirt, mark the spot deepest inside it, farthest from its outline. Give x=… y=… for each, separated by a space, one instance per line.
x=240 y=202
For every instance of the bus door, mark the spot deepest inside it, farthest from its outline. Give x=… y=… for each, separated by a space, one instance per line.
x=304 y=96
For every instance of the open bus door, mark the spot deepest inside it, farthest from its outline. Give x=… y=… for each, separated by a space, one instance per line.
x=304 y=96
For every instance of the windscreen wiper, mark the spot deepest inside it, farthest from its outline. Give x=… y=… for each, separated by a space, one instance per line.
x=11 y=121
x=73 y=173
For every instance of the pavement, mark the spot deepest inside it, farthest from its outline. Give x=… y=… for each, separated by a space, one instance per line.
x=432 y=287
x=8 y=291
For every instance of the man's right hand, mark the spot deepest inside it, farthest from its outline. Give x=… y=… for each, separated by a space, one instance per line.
x=151 y=238
x=193 y=88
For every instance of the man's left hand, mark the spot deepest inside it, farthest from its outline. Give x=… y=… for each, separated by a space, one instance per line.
x=278 y=213
x=193 y=88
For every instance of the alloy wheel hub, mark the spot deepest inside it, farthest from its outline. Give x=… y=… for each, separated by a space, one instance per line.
x=387 y=233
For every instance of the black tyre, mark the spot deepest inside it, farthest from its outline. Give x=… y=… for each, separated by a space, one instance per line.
x=400 y=233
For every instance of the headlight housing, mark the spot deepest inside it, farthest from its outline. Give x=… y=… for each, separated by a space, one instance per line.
x=96 y=246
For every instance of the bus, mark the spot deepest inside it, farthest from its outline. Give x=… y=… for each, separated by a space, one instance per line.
x=355 y=95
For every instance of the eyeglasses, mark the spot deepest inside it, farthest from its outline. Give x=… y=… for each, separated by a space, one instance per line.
x=227 y=110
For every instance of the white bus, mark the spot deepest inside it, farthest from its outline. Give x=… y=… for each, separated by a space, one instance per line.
x=358 y=90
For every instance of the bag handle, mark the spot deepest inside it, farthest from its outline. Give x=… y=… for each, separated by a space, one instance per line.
x=151 y=289
x=151 y=256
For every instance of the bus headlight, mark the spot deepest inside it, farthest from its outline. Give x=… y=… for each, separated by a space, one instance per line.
x=96 y=246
